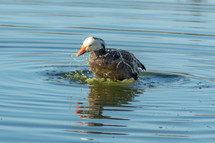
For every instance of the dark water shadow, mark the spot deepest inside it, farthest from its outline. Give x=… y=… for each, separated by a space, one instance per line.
x=101 y=96
x=106 y=98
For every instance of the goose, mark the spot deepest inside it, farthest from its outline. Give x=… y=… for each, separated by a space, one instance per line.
x=110 y=63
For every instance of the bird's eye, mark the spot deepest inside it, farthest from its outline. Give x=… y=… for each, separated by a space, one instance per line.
x=90 y=45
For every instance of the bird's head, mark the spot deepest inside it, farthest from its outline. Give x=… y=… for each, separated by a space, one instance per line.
x=91 y=44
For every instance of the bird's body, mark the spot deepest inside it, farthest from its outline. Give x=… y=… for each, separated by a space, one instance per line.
x=111 y=63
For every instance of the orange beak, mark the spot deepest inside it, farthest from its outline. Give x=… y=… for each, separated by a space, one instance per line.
x=82 y=51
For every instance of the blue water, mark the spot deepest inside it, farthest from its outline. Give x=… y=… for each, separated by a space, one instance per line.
x=172 y=102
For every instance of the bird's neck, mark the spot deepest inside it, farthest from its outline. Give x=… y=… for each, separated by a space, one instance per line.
x=100 y=52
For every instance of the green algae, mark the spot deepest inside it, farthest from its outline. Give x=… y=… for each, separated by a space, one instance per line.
x=76 y=76
x=85 y=77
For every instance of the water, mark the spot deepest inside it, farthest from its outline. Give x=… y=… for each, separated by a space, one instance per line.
x=172 y=102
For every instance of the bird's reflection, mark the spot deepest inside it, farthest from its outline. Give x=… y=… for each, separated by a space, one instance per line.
x=101 y=96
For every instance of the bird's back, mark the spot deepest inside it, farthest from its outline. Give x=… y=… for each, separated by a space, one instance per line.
x=115 y=64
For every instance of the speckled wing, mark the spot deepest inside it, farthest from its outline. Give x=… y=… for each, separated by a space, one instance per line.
x=131 y=58
x=115 y=64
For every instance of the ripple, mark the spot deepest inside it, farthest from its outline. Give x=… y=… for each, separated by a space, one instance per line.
x=94 y=132
x=47 y=95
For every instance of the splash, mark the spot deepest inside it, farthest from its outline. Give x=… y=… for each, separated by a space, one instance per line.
x=86 y=77
x=109 y=81
x=149 y=79
x=77 y=76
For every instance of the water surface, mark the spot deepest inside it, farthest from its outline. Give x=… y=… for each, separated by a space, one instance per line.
x=45 y=98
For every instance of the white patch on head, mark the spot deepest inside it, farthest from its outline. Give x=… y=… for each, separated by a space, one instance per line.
x=93 y=44
x=88 y=41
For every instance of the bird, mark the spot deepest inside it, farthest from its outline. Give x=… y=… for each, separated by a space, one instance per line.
x=108 y=63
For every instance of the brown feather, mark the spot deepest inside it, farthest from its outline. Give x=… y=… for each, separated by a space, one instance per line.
x=115 y=64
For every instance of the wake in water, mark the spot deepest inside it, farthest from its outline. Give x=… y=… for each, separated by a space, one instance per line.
x=149 y=79
x=146 y=79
